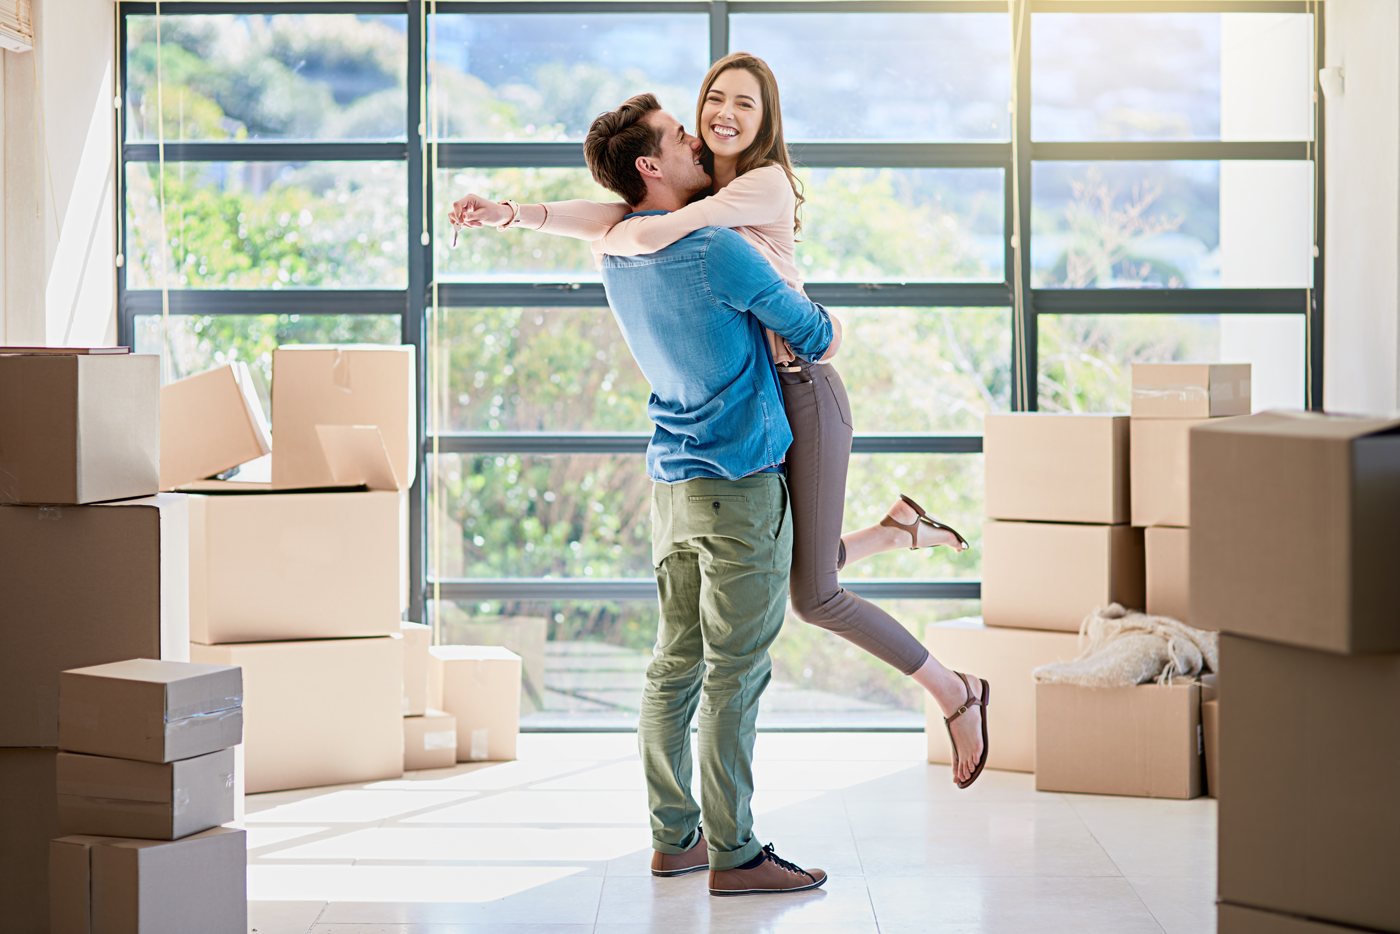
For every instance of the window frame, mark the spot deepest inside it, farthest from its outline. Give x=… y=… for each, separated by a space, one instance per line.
x=1016 y=157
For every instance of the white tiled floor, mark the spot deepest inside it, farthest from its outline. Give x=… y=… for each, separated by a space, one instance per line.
x=557 y=843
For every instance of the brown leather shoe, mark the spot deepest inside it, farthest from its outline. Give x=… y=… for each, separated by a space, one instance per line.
x=770 y=877
x=678 y=864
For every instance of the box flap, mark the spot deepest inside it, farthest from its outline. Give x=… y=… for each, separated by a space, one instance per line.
x=1285 y=424
x=356 y=455
x=473 y=653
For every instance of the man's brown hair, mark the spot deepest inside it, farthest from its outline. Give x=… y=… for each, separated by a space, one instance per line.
x=615 y=142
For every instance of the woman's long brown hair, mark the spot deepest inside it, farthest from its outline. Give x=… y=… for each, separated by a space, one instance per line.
x=768 y=148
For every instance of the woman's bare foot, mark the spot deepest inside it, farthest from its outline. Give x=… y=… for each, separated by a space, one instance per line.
x=878 y=539
x=950 y=693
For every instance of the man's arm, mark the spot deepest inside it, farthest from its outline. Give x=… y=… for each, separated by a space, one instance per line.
x=741 y=278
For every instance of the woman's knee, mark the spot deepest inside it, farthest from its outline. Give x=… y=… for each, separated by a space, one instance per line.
x=809 y=602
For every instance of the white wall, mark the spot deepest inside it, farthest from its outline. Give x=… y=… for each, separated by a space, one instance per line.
x=1266 y=210
x=58 y=234
x=1362 y=288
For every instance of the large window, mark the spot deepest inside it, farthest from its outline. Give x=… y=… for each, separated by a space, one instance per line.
x=1007 y=204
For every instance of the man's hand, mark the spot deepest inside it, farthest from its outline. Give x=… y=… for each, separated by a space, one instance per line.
x=835 y=338
x=477 y=211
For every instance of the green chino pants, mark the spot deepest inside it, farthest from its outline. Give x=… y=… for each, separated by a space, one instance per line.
x=722 y=550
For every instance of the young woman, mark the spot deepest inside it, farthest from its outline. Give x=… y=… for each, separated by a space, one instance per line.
x=755 y=193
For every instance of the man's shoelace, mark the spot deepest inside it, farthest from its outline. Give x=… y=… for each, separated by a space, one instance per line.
x=790 y=867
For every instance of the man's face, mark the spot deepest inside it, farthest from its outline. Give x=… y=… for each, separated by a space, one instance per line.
x=679 y=160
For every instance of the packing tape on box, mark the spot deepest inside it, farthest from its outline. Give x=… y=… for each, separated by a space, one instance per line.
x=481 y=745
x=1178 y=392
x=227 y=721
x=445 y=739
x=340 y=371
x=201 y=708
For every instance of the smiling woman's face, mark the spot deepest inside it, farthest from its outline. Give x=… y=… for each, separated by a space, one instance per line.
x=732 y=113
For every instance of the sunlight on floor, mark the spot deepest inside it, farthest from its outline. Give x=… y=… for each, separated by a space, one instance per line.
x=559 y=842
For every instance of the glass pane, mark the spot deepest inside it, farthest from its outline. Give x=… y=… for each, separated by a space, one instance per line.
x=1086 y=360
x=881 y=76
x=1171 y=224
x=925 y=369
x=1160 y=76
x=948 y=486
x=513 y=255
x=539 y=369
x=534 y=77
x=584 y=664
x=259 y=76
x=202 y=342
x=516 y=515
x=269 y=225
x=872 y=224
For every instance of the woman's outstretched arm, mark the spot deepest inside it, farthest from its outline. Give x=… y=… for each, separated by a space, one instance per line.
x=762 y=196
x=581 y=219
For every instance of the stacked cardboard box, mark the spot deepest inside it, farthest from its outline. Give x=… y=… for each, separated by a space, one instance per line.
x=479 y=685
x=1296 y=536
x=93 y=569
x=302 y=581
x=1057 y=545
x=145 y=778
x=1169 y=399
x=429 y=735
x=1060 y=544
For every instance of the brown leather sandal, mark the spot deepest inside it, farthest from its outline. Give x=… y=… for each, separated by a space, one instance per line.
x=948 y=722
x=913 y=528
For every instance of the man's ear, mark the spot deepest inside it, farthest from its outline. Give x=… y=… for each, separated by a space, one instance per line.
x=648 y=167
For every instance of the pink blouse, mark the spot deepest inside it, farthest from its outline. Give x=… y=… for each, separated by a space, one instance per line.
x=757 y=205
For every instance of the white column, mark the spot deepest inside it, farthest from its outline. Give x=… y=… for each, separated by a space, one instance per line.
x=60 y=182
x=1362 y=288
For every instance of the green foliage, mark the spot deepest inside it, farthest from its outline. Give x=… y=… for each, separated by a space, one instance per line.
x=333 y=225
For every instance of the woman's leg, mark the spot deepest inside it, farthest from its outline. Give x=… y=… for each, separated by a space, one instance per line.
x=820 y=415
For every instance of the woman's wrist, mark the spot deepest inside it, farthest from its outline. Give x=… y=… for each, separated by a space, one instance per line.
x=514 y=210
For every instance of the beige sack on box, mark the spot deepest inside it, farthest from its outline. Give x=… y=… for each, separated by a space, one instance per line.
x=1127 y=648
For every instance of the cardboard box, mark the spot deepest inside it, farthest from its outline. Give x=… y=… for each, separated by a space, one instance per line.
x=1190 y=390
x=526 y=636
x=152 y=711
x=1160 y=455
x=417 y=638
x=1309 y=817
x=85 y=585
x=352 y=385
x=1005 y=658
x=481 y=688
x=1057 y=468
x=28 y=821
x=282 y=566
x=429 y=741
x=319 y=712
x=1168 y=554
x=1045 y=575
x=151 y=800
x=1210 y=732
x=1237 y=919
x=157 y=886
x=78 y=428
x=1143 y=741
x=1296 y=521
x=211 y=423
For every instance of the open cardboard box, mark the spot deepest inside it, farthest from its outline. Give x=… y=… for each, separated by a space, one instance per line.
x=210 y=423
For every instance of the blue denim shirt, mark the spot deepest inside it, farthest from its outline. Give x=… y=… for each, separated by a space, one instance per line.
x=693 y=316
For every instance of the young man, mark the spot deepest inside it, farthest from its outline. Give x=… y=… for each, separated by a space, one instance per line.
x=693 y=316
